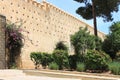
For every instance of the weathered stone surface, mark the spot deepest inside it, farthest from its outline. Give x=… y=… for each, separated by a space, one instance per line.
x=45 y=23
x=2 y=41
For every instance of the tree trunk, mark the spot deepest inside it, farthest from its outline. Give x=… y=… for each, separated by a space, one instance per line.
x=94 y=18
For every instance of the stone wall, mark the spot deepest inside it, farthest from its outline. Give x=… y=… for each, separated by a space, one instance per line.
x=45 y=23
x=2 y=42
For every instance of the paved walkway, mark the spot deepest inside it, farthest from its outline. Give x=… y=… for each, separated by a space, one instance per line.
x=72 y=75
x=19 y=75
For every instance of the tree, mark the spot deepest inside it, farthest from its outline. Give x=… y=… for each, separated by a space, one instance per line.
x=82 y=40
x=111 y=44
x=61 y=46
x=97 y=8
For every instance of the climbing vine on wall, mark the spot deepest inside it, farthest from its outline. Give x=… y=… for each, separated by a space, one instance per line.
x=14 y=42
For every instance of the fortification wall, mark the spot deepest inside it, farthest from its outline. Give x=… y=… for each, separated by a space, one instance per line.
x=2 y=42
x=46 y=24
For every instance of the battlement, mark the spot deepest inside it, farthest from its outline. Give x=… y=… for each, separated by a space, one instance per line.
x=35 y=3
x=67 y=14
x=44 y=5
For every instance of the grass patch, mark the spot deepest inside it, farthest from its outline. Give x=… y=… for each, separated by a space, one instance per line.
x=114 y=67
x=53 y=66
x=80 y=67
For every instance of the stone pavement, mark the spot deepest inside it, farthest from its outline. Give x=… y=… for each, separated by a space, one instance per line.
x=68 y=74
x=46 y=75
x=19 y=75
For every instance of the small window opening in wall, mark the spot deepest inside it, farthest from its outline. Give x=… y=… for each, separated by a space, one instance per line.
x=17 y=19
x=34 y=11
x=12 y=10
x=45 y=15
x=24 y=21
x=23 y=14
x=27 y=16
x=38 y=13
x=18 y=5
x=11 y=17
x=3 y=8
x=17 y=12
x=23 y=7
x=11 y=3
x=25 y=27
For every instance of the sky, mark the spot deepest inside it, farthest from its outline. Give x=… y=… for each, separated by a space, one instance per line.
x=70 y=6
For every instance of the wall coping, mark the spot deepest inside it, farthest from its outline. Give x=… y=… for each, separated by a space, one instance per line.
x=44 y=3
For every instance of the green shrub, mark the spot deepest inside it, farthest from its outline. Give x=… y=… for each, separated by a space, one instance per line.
x=82 y=41
x=72 y=61
x=114 y=67
x=80 y=67
x=13 y=66
x=46 y=59
x=96 y=60
x=61 y=46
x=53 y=66
x=41 y=58
x=36 y=58
x=61 y=58
x=118 y=56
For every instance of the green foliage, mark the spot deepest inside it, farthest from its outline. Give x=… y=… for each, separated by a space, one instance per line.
x=61 y=46
x=103 y=8
x=98 y=43
x=13 y=66
x=41 y=58
x=111 y=44
x=114 y=67
x=82 y=40
x=36 y=58
x=96 y=60
x=72 y=61
x=61 y=58
x=53 y=66
x=80 y=67
x=46 y=59
x=118 y=56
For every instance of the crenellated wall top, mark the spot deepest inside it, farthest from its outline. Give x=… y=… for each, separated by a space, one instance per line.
x=35 y=3
x=45 y=4
x=66 y=13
